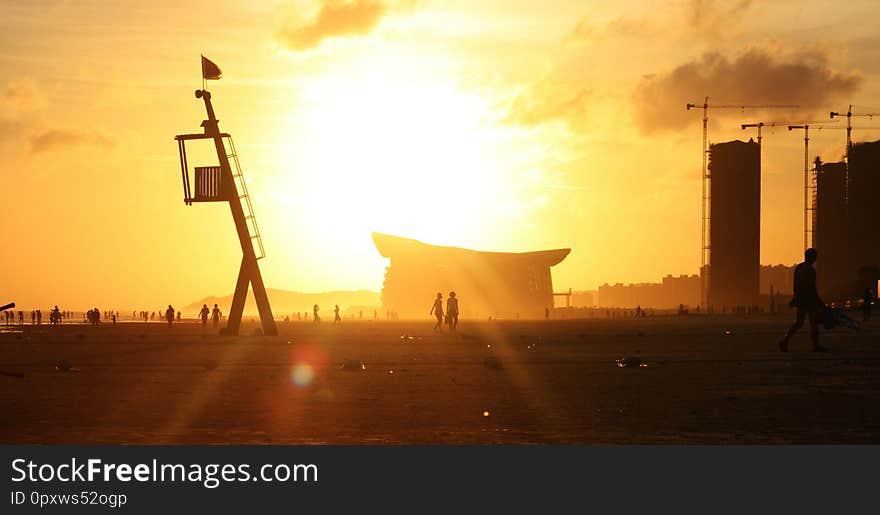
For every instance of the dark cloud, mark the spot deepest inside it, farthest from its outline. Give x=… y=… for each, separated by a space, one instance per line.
x=49 y=139
x=754 y=77
x=336 y=18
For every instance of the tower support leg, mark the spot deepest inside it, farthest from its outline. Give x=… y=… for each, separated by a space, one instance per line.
x=249 y=274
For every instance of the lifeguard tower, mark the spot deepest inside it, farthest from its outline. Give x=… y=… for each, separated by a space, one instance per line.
x=222 y=183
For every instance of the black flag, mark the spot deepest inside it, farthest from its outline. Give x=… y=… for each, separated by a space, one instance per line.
x=210 y=71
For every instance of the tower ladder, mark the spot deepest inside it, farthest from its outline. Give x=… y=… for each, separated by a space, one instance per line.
x=247 y=207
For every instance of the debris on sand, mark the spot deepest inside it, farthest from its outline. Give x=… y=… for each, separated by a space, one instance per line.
x=65 y=366
x=631 y=361
x=493 y=362
x=353 y=365
x=728 y=332
x=486 y=413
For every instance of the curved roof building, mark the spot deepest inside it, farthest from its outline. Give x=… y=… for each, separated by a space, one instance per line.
x=498 y=284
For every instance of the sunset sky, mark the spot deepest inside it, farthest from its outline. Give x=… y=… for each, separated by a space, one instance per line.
x=508 y=125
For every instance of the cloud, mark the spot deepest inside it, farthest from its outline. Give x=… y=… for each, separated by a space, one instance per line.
x=688 y=20
x=334 y=19
x=543 y=102
x=21 y=95
x=753 y=77
x=52 y=138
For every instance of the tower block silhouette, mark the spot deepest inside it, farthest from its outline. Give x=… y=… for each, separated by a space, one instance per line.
x=223 y=184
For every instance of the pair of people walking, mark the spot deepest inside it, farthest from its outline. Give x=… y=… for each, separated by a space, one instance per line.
x=451 y=316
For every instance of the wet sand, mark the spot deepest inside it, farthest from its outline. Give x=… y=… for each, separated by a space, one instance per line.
x=498 y=383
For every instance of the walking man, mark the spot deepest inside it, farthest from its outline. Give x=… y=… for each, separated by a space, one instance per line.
x=215 y=316
x=452 y=312
x=203 y=314
x=437 y=311
x=169 y=315
x=806 y=300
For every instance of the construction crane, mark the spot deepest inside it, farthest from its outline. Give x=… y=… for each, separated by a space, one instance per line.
x=759 y=126
x=849 y=114
x=706 y=180
x=808 y=207
x=810 y=182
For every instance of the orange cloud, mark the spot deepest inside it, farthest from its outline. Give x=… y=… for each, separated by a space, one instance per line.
x=49 y=139
x=23 y=95
x=335 y=19
x=542 y=103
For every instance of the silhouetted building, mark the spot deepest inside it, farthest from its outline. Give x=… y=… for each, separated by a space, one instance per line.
x=498 y=284
x=684 y=289
x=832 y=234
x=583 y=299
x=862 y=211
x=779 y=277
x=735 y=224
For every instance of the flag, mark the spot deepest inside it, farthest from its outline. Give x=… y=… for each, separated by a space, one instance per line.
x=210 y=71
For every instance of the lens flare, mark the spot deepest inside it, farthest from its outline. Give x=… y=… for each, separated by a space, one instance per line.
x=302 y=375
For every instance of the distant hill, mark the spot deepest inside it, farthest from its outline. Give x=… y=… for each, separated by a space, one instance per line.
x=285 y=302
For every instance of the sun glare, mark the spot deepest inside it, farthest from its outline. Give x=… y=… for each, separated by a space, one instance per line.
x=393 y=154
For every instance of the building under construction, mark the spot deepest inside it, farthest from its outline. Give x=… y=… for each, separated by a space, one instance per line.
x=846 y=230
x=497 y=284
x=862 y=211
x=735 y=224
x=832 y=235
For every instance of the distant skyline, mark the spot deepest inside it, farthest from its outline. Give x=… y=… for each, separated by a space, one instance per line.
x=498 y=125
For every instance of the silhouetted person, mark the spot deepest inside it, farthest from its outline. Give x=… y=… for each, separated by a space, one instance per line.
x=169 y=315
x=336 y=318
x=806 y=300
x=452 y=311
x=39 y=317
x=315 y=318
x=867 y=298
x=215 y=316
x=546 y=313
x=437 y=311
x=203 y=314
x=178 y=316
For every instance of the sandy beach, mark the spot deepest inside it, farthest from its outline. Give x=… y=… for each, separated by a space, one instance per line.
x=497 y=383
